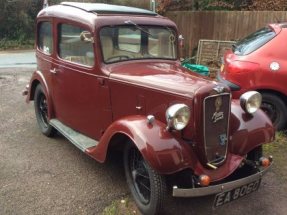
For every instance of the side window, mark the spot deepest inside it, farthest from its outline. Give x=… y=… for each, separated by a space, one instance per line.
x=76 y=45
x=45 y=37
x=129 y=39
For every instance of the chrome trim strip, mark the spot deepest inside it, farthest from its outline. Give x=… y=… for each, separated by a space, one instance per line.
x=204 y=139
x=204 y=191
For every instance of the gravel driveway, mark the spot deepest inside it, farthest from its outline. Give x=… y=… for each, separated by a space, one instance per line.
x=40 y=175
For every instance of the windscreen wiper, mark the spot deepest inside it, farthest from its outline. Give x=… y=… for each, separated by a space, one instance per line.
x=138 y=27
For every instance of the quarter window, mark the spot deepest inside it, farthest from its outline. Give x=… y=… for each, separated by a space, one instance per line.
x=45 y=39
x=76 y=45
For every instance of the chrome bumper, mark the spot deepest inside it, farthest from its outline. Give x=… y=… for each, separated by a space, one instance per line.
x=205 y=191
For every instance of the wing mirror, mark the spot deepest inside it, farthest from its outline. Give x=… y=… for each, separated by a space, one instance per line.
x=86 y=36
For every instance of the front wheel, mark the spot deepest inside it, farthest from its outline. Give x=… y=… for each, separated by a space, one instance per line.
x=147 y=187
x=41 y=111
x=276 y=110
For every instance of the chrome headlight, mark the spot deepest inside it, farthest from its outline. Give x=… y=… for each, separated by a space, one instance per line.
x=177 y=116
x=250 y=101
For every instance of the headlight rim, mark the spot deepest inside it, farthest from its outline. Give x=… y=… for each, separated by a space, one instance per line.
x=246 y=98
x=171 y=113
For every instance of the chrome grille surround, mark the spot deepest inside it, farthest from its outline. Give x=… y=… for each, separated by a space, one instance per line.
x=215 y=130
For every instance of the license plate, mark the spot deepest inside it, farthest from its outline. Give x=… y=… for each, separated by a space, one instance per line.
x=231 y=195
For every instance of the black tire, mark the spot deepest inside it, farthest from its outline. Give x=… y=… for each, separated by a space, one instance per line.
x=147 y=187
x=276 y=109
x=41 y=111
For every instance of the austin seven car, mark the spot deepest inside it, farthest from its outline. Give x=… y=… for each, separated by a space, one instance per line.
x=109 y=78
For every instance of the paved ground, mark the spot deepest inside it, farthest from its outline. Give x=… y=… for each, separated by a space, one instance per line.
x=18 y=59
x=39 y=175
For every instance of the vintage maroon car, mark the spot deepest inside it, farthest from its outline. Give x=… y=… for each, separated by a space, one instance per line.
x=258 y=62
x=109 y=77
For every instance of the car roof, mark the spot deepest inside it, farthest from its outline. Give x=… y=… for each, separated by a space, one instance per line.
x=97 y=15
x=100 y=8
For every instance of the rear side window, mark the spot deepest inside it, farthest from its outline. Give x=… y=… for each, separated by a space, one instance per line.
x=75 y=45
x=45 y=38
x=254 y=41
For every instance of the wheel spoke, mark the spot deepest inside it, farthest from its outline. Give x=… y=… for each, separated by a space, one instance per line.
x=139 y=172
x=140 y=175
x=145 y=186
x=144 y=176
x=43 y=109
x=142 y=172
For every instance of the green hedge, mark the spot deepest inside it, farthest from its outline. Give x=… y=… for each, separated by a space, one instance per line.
x=16 y=44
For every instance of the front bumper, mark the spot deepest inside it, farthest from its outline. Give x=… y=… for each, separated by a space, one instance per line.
x=205 y=191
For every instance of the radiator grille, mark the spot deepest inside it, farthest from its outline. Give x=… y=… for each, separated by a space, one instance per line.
x=216 y=123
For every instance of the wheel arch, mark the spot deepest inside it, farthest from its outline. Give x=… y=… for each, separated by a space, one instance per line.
x=34 y=84
x=159 y=147
x=118 y=141
x=39 y=78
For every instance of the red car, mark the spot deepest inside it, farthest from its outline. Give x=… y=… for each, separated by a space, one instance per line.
x=109 y=78
x=258 y=62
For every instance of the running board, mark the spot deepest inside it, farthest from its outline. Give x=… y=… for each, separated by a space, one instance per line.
x=79 y=140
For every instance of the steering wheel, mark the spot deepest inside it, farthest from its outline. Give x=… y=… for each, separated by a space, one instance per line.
x=119 y=57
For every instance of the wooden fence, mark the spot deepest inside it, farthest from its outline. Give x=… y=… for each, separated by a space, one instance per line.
x=220 y=25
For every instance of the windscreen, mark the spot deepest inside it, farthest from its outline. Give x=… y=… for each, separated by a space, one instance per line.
x=122 y=43
x=254 y=41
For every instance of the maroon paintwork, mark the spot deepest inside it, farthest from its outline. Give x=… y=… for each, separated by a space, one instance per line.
x=101 y=101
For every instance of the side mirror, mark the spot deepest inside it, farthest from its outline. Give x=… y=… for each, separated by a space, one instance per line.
x=86 y=36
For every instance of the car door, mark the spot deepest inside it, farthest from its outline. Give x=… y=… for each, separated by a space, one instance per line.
x=81 y=98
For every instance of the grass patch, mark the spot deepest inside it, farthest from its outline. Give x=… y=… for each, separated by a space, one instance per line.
x=16 y=44
x=278 y=149
x=278 y=145
x=121 y=207
x=111 y=209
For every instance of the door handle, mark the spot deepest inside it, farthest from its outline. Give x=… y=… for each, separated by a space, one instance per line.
x=54 y=71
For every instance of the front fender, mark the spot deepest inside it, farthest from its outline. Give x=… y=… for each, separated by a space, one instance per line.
x=162 y=149
x=167 y=153
x=159 y=147
x=248 y=131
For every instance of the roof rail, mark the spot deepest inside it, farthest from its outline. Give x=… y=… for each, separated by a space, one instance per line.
x=100 y=8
